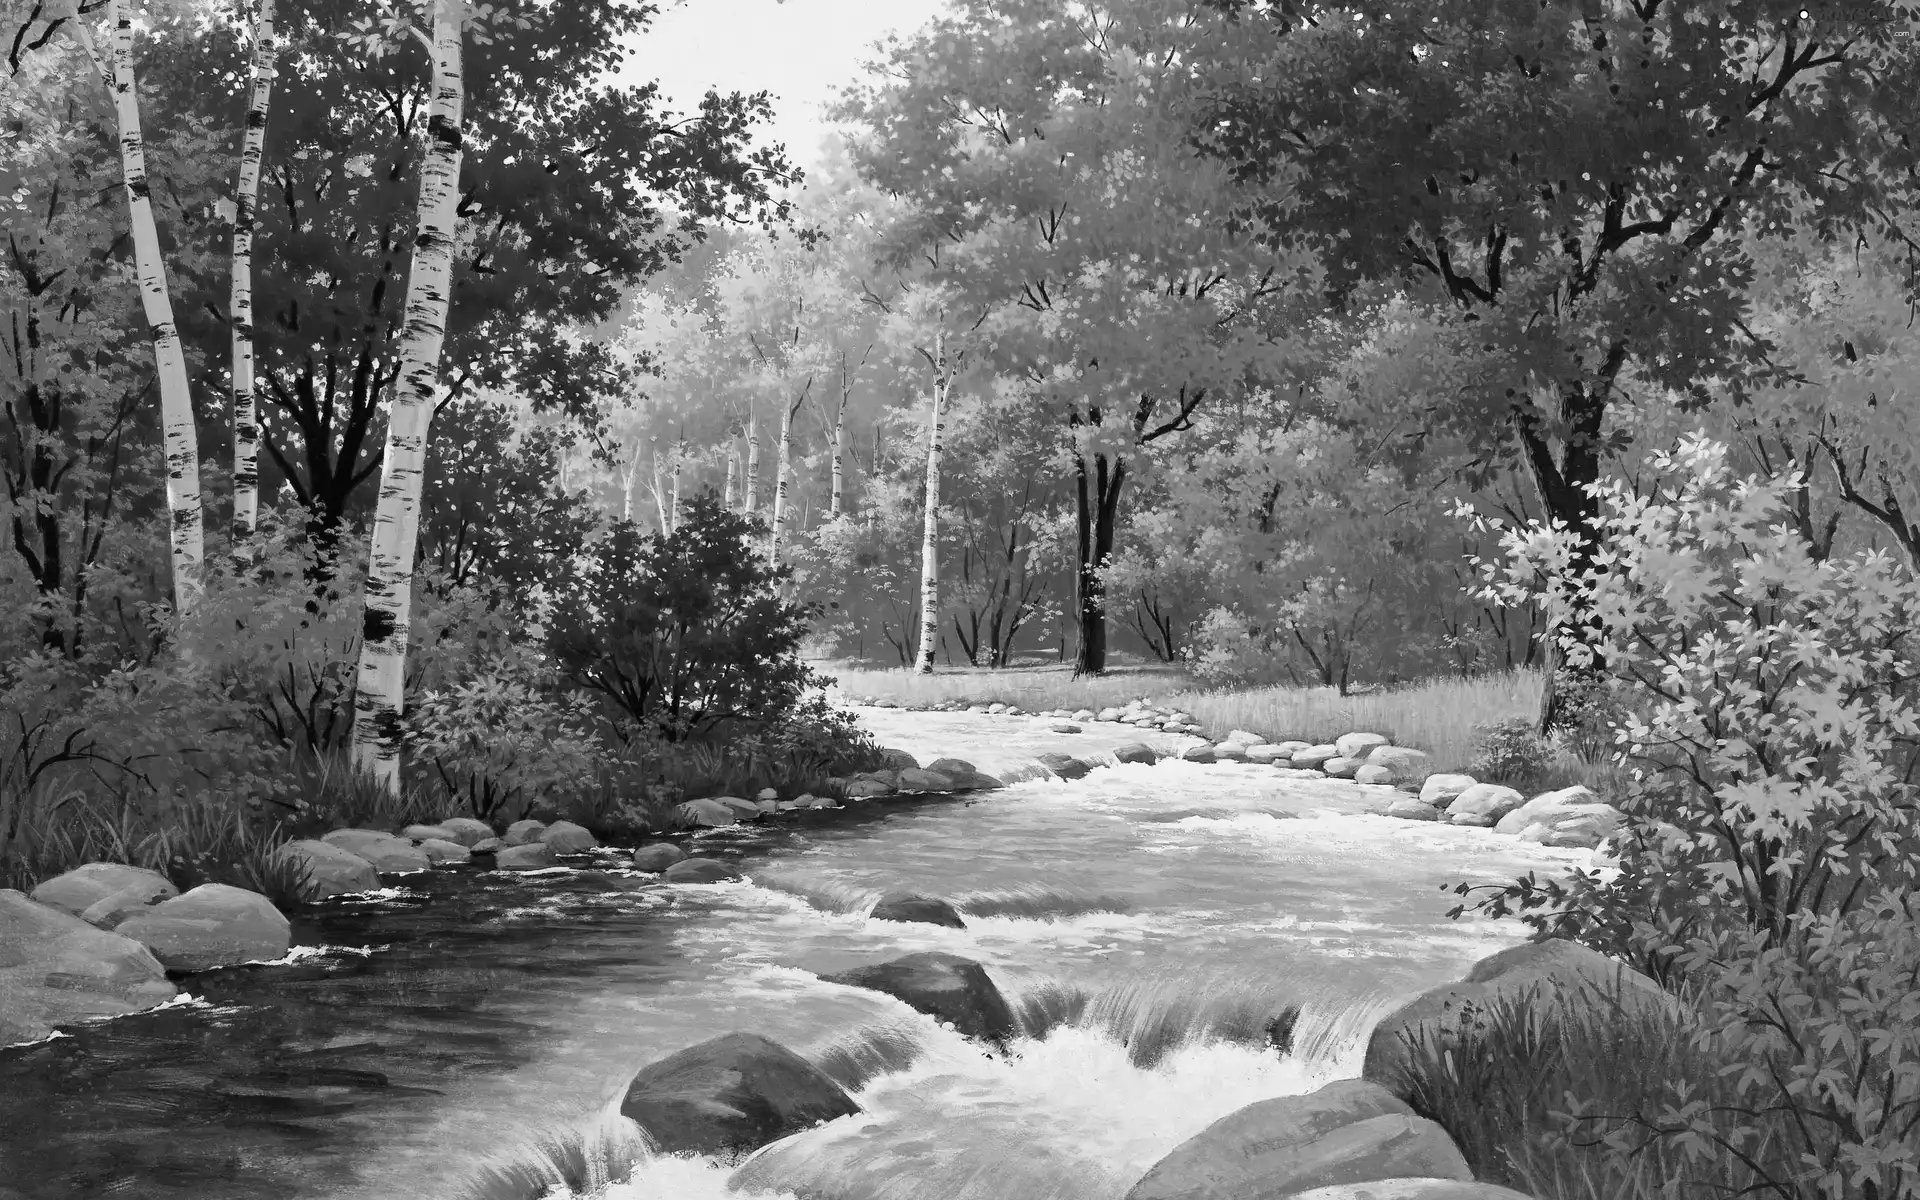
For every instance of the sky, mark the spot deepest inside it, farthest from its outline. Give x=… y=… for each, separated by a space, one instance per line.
x=802 y=51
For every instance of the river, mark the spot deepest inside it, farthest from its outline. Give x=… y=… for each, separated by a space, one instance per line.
x=1151 y=922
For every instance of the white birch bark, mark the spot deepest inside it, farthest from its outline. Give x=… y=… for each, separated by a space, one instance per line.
x=840 y=438
x=659 y=493
x=626 y=484
x=930 y=537
x=679 y=457
x=732 y=462
x=396 y=523
x=176 y=398
x=753 y=462
x=246 y=428
x=780 y=480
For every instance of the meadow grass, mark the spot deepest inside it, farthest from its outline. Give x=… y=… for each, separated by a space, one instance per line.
x=1437 y=715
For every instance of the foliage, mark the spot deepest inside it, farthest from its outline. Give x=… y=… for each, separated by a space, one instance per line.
x=495 y=740
x=1512 y=752
x=684 y=634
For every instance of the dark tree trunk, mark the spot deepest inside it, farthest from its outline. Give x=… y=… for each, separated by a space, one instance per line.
x=1097 y=504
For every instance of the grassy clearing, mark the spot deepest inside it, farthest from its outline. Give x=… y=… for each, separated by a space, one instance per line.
x=1437 y=716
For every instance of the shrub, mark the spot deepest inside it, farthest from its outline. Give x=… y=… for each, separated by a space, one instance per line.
x=685 y=633
x=1771 y=845
x=1510 y=751
x=493 y=742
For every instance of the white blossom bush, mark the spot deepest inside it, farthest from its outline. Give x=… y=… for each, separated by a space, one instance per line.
x=1768 y=860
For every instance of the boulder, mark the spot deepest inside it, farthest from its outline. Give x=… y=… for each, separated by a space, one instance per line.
x=1349 y=1131
x=520 y=833
x=1311 y=757
x=1555 y=977
x=952 y=768
x=730 y=1096
x=1412 y=1189
x=1342 y=767
x=1083 y=714
x=213 y=925
x=898 y=760
x=1407 y=764
x=868 y=789
x=914 y=779
x=943 y=986
x=1442 y=790
x=1242 y=737
x=82 y=888
x=387 y=853
x=913 y=908
x=705 y=814
x=1373 y=775
x=1063 y=727
x=701 y=870
x=1572 y=817
x=329 y=869
x=656 y=857
x=1581 y=827
x=440 y=851
x=1413 y=809
x=1136 y=752
x=1230 y=752
x=996 y=708
x=564 y=837
x=766 y=794
x=1483 y=805
x=1358 y=745
x=492 y=845
x=1293 y=748
x=56 y=969
x=1202 y=753
x=742 y=807
x=1111 y=714
x=467 y=831
x=1266 y=752
x=527 y=856
x=1066 y=766
x=422 y=833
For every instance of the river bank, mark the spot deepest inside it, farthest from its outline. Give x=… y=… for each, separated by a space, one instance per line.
x=461 y=1016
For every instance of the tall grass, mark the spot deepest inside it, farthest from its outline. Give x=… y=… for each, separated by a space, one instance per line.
x=1437 y=715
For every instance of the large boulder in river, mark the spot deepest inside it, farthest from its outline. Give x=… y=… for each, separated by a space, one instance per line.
x=1483 y=805
x=1412 y=1189
x=899 y=760
x=1442 y=790
x=1136 y=752
x=1311 y=758
x=915 y=779
x=1066 y=766
x=213 y=925
x=655 y=857
x=389 y=854
x=1342 y=767
x=701 y=870
x=705 y=814
x=916 y=909
x=441 y=851
x=1201 y=753
x=522 y=833
x=1358 y=745
x=116 y=887
x=943 y=986
x=1404 y=763
x=467 y=831
x=56 y=968
x=730 y=1096
x=1572 y=817
x=564 y=837
x=327 y=870
x=1546 y=981
x=1347 y=1132
x=528 y=856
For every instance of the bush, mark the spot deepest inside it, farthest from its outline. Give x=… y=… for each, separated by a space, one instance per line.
x=1510 y=751
x=684 y=634
x=1771 y=842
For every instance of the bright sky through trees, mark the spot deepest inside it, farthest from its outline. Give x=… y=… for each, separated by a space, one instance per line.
x=800 y=50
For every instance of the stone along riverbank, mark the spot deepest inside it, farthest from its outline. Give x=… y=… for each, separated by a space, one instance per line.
x=1173 y=942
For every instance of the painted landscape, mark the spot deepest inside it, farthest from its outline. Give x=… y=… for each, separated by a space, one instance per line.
x=1020 y=600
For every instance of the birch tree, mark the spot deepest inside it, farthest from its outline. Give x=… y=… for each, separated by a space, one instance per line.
x=930 y=533
x=383 y=653
x=753 y=461
x=780 y=475
x=246 y=427
x=176 y=400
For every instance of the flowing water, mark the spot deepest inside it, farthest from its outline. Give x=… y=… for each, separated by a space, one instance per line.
x=1180 y=940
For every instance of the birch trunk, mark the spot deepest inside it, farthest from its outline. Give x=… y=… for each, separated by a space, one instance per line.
x=246 y=429
x=732 y=462
x=930 y=538
x=753 y=463
x=176 y=399
x=840 y=440
x=659 y=492
x=780 y=485
x=679 y=457
x=396 y=524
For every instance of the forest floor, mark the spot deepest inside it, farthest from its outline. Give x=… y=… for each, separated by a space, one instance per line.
x=1437 y=715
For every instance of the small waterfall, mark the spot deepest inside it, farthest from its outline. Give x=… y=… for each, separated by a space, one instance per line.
x=583 y=1160
x=871 y=1052
x=825 y=895
x=1036 y=902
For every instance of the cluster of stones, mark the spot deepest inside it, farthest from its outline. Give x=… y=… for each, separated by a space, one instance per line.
x=1365 y=758
x=1354 y=1139
x=901 y=776
x=348 y=861
x=1571 y=817
x=102 y=939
